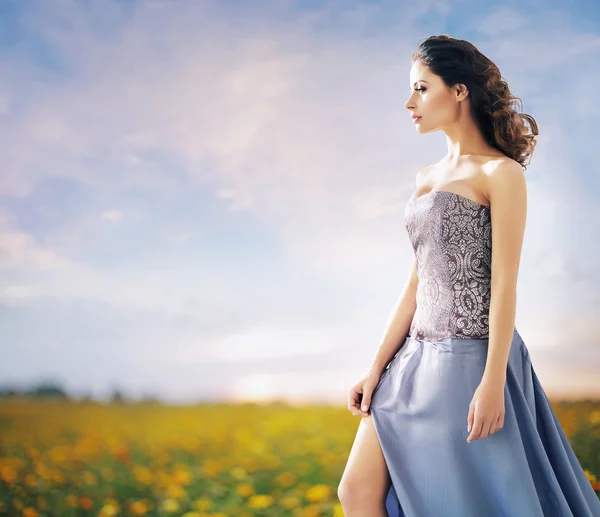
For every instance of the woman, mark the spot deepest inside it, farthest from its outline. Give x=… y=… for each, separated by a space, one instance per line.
x=458 y=424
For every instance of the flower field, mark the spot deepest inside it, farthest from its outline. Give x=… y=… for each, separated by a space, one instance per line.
x=70 y=459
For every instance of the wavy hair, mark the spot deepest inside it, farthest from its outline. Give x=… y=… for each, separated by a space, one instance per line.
x=493 y=107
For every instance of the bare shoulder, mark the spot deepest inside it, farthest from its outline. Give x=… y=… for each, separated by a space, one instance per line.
x=423 y=172
x=504 y=178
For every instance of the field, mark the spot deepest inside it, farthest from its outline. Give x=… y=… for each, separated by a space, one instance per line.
x=68 y=459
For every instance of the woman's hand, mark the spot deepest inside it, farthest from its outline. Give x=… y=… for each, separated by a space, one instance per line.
x=486 y=411
x=359 y=396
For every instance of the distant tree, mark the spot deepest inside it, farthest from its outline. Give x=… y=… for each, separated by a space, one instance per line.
x=117 y=397
x=87 y=398
x=48 y=389
x=9 y=392
x=151 y=400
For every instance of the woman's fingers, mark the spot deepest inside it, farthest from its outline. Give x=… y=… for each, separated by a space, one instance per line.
x=356 y=397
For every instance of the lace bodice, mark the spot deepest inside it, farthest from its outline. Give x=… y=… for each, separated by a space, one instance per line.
x=452 y=239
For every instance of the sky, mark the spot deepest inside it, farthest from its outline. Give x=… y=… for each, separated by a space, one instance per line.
x=203 y=200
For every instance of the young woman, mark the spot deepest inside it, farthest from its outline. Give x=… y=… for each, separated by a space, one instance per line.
x=458 y=424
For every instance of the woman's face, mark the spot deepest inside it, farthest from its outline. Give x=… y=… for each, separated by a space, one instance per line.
x=430 y=99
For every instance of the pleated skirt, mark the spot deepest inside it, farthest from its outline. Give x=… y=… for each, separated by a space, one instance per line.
x=419 y=409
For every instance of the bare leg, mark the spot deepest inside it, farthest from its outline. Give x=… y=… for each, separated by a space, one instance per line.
x=365 y=482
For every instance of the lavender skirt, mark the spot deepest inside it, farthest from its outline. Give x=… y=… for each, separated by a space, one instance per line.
x=420 y=408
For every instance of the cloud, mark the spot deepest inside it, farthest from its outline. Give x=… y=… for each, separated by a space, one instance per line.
x=112 y=215
x=503 y=20
x=19 y=250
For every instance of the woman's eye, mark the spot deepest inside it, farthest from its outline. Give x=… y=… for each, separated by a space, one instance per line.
x=419 y=89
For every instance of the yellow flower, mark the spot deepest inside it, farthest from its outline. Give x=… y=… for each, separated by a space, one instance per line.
x=171 y=505
x=8 y=474
x=285 y=479
x=30 y=512
x=338 y=511
x=591 y=477
x=57 y=476
x=108 y=510
x=58 y=454
x=113 y=502
x=142 y=475
x=290 y=502
x=244 y=490
x=211 y=468
x=182 y=476
x=238 y=473
x=202 y=503
x=72 y=501
x=594 y=417
x=89 y=478
x=311 y=510
x=260 y=501
x=176 y=491
x=318 y=493
x=138 y=508
x=30 y=480
x=303 y=468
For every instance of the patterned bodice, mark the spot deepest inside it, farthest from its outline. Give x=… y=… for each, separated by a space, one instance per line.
x=452 y=239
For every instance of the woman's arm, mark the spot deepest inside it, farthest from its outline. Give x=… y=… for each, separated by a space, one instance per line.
x=507 y=193
x=398 y=323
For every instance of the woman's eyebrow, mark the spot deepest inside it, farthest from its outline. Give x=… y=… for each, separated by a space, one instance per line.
x=422 y=80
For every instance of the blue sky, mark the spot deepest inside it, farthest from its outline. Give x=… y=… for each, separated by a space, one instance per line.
x=204 y=199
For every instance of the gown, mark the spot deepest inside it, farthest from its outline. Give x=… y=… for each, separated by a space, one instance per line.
x=421 y=402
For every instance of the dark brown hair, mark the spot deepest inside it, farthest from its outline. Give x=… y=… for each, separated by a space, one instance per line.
x=457 y=61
